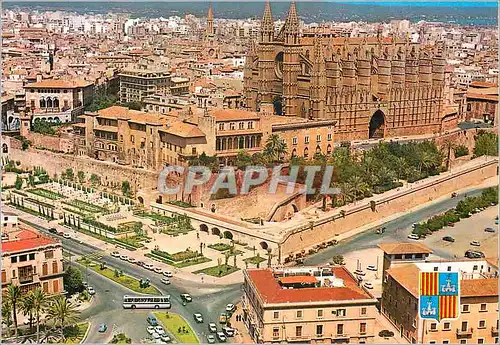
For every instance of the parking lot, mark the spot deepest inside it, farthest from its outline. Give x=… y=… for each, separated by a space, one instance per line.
x=465 y=231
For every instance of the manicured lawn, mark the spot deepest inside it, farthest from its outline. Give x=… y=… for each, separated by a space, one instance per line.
x=236 y=252
x=82 y=329
x=214 y=271
x=181 y=264
x=180 y=204
x=85 y=206
x=172 y=322
x=120 y=338
x=128 y=282
x=254 y=260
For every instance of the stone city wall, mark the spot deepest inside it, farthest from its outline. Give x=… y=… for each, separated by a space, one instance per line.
x=329 y=229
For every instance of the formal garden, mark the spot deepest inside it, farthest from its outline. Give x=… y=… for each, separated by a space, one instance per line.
x=180 y=259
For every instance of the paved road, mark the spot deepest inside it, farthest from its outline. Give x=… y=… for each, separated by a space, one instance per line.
x=397 y=230
x=208 y=299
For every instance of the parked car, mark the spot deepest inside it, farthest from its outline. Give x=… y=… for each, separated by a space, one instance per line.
x=230 y=308
x=66 y=235
x=91 y=290
x=223 y=318
x=212 y=327
x=165 y=338
x=371 y=268
x=159 y=330
x=103 y=328
x=186 y=297
x=155 y=335
x=359 y=272
x=475 y=243
x=124 y=257
x=489 y=229
x=140 y=263
x=53 y=231
x=474 y=254
x=152 y=320
x=168 y=274
x=85 y=284
x=211 y=339
x=148 y=266
x=228 y=331
x=150 y=329
x=60 y=233
x=368 y=285
x=132 y=260
x=165 y=281
x=413 y=237
x=198 y=317
x=221 y=336
x=158 y=270
x=448 y=239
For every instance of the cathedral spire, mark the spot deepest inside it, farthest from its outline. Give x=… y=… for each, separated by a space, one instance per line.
x=292 y=21
x=267 y=24
x=210 y=22
x=318 y=49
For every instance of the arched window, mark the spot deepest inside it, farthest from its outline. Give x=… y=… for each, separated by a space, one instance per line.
x=43 y=104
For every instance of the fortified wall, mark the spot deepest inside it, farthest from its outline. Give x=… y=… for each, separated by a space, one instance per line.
x=333 y=227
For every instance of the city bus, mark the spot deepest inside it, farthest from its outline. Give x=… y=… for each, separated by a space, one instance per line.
x=146 y=302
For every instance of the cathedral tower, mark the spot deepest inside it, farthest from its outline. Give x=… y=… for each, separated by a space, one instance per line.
x=291 y=63
x=209 y=33
x=266 y=56
x=318 y=81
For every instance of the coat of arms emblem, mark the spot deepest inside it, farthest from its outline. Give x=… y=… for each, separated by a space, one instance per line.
x=439 y=295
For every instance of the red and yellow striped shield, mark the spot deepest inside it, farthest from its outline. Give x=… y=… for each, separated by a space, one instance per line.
x=448 y=307
x=429 y=283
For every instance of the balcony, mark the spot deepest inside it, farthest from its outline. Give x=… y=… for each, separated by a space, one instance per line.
x=340 y=336
x=461 y=333
x=299 y=338
x=494 y=331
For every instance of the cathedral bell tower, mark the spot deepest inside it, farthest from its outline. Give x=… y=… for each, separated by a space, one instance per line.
x=291 y=62
x=318 y=81
x=266 y=56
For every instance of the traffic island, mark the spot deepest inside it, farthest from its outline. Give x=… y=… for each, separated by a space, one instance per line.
x=120 y=278
x=218 y=271
x=177 y=327
x=77 y=333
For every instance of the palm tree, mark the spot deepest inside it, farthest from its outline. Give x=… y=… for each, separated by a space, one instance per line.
x=448 y=145
x=275 y=147
x=62 y=312
x=7 y=314
x=358 y=185
x=27 y=307
x=39 y=304
x=14 y=295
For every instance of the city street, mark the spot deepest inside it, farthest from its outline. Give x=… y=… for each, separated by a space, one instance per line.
x=210 y=300
x=397 y=230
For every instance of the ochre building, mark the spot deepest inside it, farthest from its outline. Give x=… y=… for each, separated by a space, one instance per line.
x=373 y=87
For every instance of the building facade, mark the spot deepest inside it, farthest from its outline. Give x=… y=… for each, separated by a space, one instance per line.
x=135 y=84
x=307 y=305
x=373 y=87
x=478 y=318
x=482 y=102
x=58 y=100
x=31 y=260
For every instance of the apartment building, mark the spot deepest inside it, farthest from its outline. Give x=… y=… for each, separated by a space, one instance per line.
x=307 y=305
x=478 y=319
x=31 y=260
x=482 y=102
x=136 y=84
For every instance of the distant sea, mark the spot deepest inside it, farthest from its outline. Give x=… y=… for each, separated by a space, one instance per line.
x=469 y=13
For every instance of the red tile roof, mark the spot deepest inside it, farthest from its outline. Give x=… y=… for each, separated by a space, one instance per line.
x=271 y=292
x=404 y=248
x=26 y=239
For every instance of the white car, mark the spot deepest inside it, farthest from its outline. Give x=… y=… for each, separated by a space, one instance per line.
x=368 y=285
x=132 y=260
x=148 y=266
x=359 y=272
x=115 y=254
x=124 y=257
x=150 y=329
x=155 y=335
x=168 y=274
x=165 y=281
x=66 y=235
x=198 y=317
x=371 y=268
x=212 y=327
x=475 y=243
x=91 y=290
x=222 y=337
x=159 y=330
x=230 y=308
x=158 y=270
x=413 y=237
x=165 y=338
